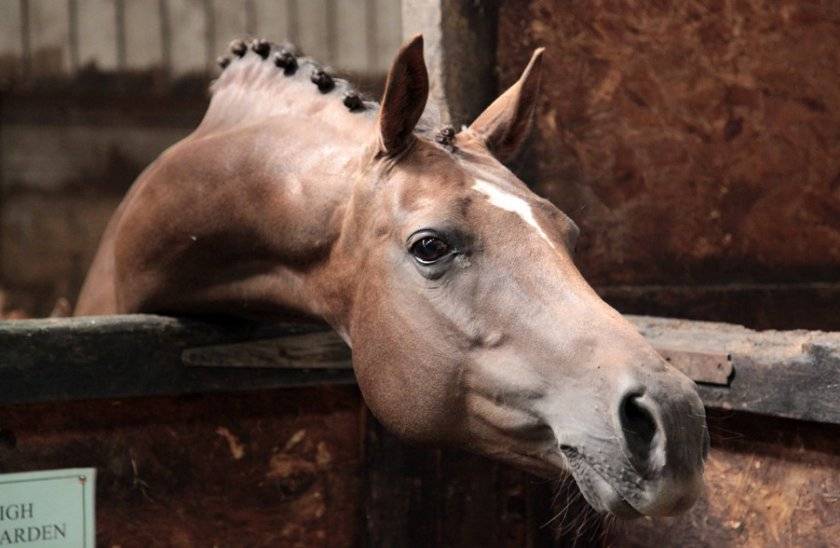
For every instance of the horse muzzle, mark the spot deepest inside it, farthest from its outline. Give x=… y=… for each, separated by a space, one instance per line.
x=647 y=458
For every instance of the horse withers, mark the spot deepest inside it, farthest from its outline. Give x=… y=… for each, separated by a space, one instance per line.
x=453 y=283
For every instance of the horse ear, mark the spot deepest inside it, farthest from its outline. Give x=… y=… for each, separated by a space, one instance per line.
x=505 y=124
x=405 y=97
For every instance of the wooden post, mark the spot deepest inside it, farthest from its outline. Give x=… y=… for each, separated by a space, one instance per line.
x=460 y=43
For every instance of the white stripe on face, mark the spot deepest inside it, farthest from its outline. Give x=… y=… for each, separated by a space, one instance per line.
x=509 y=202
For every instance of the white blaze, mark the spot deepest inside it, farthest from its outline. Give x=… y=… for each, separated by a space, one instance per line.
x=507 y=201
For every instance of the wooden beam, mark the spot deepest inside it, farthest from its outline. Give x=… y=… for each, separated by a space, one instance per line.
x=460 y=44
x=124 y=356
x=793 y=374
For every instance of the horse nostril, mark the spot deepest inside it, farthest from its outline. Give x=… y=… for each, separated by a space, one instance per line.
x=639 y=428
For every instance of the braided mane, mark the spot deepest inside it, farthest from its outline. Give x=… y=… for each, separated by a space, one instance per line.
x=262 y=79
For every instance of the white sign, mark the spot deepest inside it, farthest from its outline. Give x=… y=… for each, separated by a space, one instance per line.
x=49 y=509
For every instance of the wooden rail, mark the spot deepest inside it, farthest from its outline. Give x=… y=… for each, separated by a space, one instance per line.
x=793 y=374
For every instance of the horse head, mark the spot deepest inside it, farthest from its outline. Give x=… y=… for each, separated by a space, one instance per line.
x=470 y=323
x=454 y=284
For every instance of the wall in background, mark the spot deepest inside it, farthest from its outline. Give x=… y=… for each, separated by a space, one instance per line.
x=91 y=91
x=697 y=145
x=60 y=38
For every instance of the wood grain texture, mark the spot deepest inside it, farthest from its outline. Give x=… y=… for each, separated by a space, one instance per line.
x=806 y=305
x=426 y=497
x=770 y=483
x=107 y=357
x=48 y=38
x=272 y=468
x=11 y=45
x=693 y=142
x=97 y=34
x=792 y=374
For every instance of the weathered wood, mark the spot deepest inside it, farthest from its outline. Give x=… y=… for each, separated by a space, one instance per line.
x=422 y=496
x=795 y=305
x=702 y=367
x=110 y=357
x=460 y=42
x=793 y=374
x=259 y=469
x=770 y=483
x=324 y=350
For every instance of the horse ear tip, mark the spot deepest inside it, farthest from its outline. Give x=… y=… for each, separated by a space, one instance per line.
x=535 y=64
x=415 y=43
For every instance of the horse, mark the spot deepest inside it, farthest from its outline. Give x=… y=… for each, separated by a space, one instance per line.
x=451 y=281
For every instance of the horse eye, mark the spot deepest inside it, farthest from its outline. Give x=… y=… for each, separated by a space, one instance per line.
x=429 y=249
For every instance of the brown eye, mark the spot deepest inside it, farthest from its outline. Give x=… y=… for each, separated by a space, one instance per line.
x=429 y=249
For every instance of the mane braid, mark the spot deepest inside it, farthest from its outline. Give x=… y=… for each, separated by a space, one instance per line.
x=264 y=79
x=261 y=79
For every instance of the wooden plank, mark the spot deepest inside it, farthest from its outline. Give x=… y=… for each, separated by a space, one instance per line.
x=324 y=350
x=327 y=351
x=97 y=34
x=229 y=22
x=794 y=374
x=266 y=468
x=143 y=40
x=351 y=36
x=187 y=25
x=49 y=38
x=11 y=42
x=705 y=367
x=313 y=29
x=272 y=20
x=423 y=496
x=121 y=356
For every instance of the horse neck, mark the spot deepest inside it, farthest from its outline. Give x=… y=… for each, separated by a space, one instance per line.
x=242 y=220
x=294 y=204
x=295 y=155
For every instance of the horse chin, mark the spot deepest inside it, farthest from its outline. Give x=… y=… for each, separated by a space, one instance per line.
x=601 y=495
x=598 y=492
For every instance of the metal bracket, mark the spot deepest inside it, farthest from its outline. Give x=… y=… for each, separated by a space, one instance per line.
x=701 y=366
